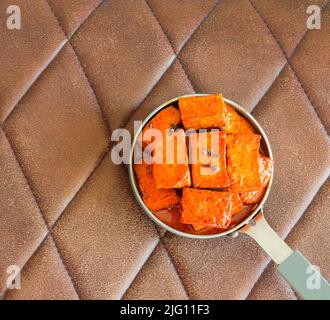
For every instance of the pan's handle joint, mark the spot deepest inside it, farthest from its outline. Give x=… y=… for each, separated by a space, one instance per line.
x=267 y=238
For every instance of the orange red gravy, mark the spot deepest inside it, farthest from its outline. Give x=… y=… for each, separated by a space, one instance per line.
x=224 y=183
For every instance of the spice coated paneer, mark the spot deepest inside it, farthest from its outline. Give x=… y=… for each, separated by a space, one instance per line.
x=206 y=207
x=254 y=197
x=208 y=158
x=203 y=112
x=243 y=162
x=155 y=199
x=235 y=123
x=228 y=173
x=168 y=118
x=235 y=206
x=199 y=227
x=173 y=171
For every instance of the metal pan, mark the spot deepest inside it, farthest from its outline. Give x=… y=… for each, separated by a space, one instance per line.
x=304 y=278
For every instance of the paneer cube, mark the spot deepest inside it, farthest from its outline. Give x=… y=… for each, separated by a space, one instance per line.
x=254 y=197
x=243 y=162
x=174 y=171
x=203 y=112
x=208 y=208
x=199 y=227
x=235 y=206
x=208 y=159
x=235 y=123
x=168 y=118
x=154 y=198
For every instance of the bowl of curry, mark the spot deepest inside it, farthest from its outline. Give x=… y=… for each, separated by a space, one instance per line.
x=221 y=171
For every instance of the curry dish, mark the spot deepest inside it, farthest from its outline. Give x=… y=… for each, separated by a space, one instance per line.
x=212 y=187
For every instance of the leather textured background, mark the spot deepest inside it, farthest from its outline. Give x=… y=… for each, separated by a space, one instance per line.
x=77 y=70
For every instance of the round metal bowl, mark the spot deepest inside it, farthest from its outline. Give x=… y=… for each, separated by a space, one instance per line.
x=265 y=145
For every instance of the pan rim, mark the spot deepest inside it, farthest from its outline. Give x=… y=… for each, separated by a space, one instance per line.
x=153 y=217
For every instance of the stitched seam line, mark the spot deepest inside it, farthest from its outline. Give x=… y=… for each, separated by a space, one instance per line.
x=3 y=294
x=174 y=59
x=160 y=242
x=303 y=89
x=175 y=268
x=101 y=109
x=168 y=40
x=50 y=233
x=287 y=63
x=199 y=25
x=290 y=231
x=43 y=69
x=51 y=60
x=140 y=270
x=103 y=114
x=63 y=212
x=301 y=40
x=288 y=59
x=169 y=256
x=68 y=205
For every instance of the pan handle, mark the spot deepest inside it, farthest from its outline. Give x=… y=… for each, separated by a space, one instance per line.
x=303 y=277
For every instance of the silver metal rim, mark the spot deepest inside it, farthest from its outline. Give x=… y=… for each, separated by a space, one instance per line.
x=136 y=191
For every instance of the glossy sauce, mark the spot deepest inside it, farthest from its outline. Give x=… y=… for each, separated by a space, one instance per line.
x=172 y=217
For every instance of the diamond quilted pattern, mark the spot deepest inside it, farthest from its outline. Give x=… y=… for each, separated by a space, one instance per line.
x=30 y=48
x=45 y=267
x=137 y=55
x=303 y=238
x=173 y=84
x=117 y=238
x=286 y=19
x=157 y=280
x=297 y=138
x=21 y=225
x=58 y=133
x=312 y=65
x=72 y=13
x=180 y=18
x=239 y=59
x=59 y=99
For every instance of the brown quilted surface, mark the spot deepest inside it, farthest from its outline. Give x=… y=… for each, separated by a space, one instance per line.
x=79 y=69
